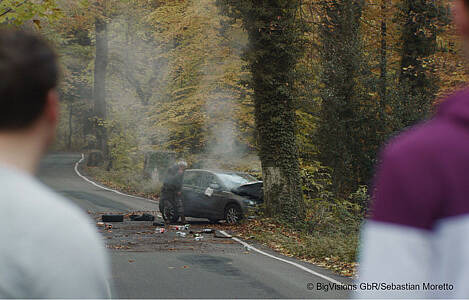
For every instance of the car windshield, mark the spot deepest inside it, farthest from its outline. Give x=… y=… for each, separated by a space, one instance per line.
x=234 y=180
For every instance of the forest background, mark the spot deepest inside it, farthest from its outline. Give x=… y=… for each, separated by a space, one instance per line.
x=190 y=77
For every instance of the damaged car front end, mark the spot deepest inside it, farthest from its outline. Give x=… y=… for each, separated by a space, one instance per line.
x=220 y=195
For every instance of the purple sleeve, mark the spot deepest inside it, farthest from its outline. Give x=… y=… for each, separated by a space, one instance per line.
x=407 y=190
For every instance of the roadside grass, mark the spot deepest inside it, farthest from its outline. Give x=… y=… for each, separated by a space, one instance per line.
x=126 y=181
x=332 y=250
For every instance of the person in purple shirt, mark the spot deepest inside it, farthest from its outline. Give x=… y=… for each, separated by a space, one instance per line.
x=416 y=243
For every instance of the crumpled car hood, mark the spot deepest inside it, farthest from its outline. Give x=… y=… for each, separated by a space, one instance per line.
x=252 y=191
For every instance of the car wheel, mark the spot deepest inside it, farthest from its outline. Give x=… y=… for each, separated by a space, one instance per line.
x=169 y=212
x=233 y=214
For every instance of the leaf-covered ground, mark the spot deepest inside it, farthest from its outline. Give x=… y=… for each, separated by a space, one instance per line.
x=319 y=250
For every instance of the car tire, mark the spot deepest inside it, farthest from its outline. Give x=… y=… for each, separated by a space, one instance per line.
x=233 y=214
x=169 y=213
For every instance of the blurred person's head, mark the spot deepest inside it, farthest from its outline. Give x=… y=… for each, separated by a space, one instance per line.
x=28 y=98
x=182 y=166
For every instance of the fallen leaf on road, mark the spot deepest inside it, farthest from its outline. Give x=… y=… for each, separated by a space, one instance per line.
x=131 y=260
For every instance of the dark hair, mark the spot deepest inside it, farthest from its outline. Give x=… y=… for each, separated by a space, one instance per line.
x=28 y=71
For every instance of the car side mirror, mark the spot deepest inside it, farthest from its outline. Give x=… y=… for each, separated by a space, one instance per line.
x=215 y=186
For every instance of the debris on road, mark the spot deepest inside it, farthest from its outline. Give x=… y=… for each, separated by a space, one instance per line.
x=207 y=231
x=112 y=218
x=180 y=227
x=143 y=236
x=143 y=217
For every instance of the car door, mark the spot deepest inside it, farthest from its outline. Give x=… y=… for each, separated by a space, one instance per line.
x=197 y=190
x=211 y=201
x=190 y=192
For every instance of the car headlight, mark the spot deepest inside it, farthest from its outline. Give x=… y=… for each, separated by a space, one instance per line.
x=249 y=202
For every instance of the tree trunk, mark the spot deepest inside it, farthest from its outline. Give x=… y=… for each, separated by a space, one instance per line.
x=99 y=90
x=275 y=46
x=418 y=85
x=129 y=67
x=383 y=53
x=344 y=110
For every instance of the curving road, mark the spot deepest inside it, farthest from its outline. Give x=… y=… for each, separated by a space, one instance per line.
x=213 y=272
x=57 y=171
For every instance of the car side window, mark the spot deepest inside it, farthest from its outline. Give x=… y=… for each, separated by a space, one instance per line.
x=204 y=178
x=191 y=179
x=212 y=179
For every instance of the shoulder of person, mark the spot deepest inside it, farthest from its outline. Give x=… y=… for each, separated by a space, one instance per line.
x=421 y=142
x=53 y=241
x=29 y=203
x=447 y=127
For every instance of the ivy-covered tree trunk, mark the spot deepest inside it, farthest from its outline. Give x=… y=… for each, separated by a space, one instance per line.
x=275 y=44
x=383 y=63
x=99 y=89
x=418 y=20
x=344 y=121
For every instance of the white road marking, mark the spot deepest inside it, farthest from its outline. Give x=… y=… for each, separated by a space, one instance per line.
x=281 y=259
x=105 y=188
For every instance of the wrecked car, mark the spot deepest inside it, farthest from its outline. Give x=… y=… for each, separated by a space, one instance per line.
x=216 y=195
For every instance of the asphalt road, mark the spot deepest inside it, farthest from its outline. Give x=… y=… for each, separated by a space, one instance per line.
x=225 y=271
